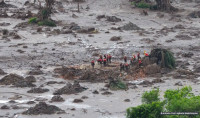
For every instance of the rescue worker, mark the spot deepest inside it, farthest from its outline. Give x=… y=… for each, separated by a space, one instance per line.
x=125 y=59
x=146 y=54
x=100 y=57
x=104 y=61
x=99 y=61
x=138 y=56
x=134 y=58
x=121 y=66
x=92 y=64
x=109 y=58
x=140 y=62
x=132 y=61
x=126 y=65
x=104 y=55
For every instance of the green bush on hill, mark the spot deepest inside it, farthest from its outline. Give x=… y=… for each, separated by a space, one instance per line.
x=180 y=100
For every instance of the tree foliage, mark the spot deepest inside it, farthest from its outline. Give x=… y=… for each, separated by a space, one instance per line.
x=180 y=100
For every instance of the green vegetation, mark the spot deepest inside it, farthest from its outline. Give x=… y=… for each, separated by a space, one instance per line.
x=149 y=97
x=117 y=85
x=169 y=60
x=47 y=23
x=180 y=100
x=141 y=4
x=165 y=57
x=32 y=20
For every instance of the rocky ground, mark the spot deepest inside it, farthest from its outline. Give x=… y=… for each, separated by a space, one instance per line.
x=39 y=64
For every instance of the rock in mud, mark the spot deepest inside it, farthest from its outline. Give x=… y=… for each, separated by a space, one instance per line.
x=5 y=107
x=99 y=17
x=24 y=83
x=2 y=72
x=43 y=108
x=86 y=30
x=107 y=93
x=152 y=69
x=57 y=98
x=68 y=73
x=70 y=89
x=127 y=100
x=30 y=79
x=158 y=80
x=194 y=14
x=188 y=55
x=38 y=90
x=178 y=84
x=185 y=72
x=130 y=26
x=115 y=38
x=183 y=37
x=95 y=92
x=146 y=83
x=113 y=19
x=179 y=26
x=84 y=97
x=30 y=102
x=77 y=101
x=35 y=72
x=11 y=79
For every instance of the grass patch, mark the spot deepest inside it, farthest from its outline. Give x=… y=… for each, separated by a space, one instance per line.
x=47 y=23
x=32 y=20
x=141 y=4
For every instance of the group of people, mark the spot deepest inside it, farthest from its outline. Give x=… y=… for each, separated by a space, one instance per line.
x=126 y=66
x=104 y=60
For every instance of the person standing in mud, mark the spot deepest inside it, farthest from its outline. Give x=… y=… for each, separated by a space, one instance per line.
x=109 y=58
x=101 y=57
x=138 y=56
x=92 y=64
x=126 y=65
x=146 y=54
x=140 y=62
x=132 y=61
x=121 y=66
x=104 y=61
x=125 y=59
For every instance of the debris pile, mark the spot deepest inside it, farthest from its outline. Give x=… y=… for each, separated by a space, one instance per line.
x=130 y=26
x=57 y=98
x=38 y=90
x=68 y=73
x=16 y=80
x=116 y=84
x=43 y=108
x=2 y=72
x=70 y=89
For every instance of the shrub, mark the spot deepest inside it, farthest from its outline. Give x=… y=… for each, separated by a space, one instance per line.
x=169 y=60
x=117 y=84
x=180 y=100
x=151 y=96
x=152 y=110
x=141 y=4
x=47 y=23
x=32 y=20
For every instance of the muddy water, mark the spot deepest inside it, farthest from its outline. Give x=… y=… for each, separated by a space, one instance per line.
x=52 y=51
